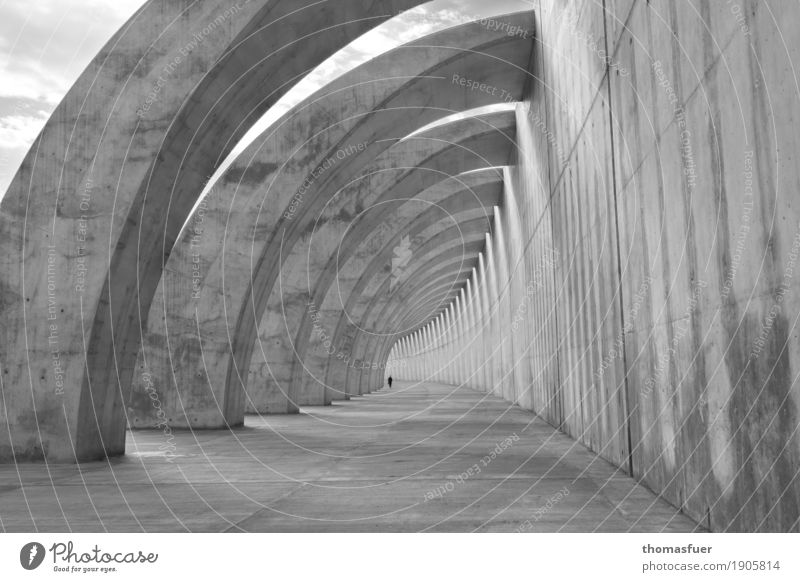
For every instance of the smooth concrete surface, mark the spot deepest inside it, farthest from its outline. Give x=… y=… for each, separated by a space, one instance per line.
x=635 y=284
x=639 y=290
x=400 y=203
x=383 y=279
x=98 y=203
x=303 y=171
x=375 y=463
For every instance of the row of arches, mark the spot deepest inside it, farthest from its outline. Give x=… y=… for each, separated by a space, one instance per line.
x=176 y=297
x=635 y=169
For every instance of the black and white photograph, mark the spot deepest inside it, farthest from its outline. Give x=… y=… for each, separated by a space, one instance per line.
x=360 y=277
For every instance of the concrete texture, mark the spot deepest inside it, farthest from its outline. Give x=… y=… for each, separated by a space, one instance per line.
x=642 y=296
x=476 y=193
x=617 y=254
x=99 y=201
x=254 y=229
x=376 y=463
x=406 y=197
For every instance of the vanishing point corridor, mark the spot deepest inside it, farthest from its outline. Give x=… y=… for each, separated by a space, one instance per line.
x=416 y=458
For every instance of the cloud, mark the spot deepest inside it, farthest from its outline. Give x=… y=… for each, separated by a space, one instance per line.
x=19 y=131
x=44 y=47
x=46 y=44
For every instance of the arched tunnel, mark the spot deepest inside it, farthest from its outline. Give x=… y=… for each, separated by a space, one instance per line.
x=531 y=270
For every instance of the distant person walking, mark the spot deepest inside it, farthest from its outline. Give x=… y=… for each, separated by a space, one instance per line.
x=390 y=381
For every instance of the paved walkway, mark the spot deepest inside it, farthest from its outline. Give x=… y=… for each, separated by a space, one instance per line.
x=417 y=458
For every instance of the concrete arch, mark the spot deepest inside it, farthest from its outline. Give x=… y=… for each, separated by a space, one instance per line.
x=462 y=250
x=368 y=288
x=453 y=273
x=359 y=108
x=444 y=92
x=405 y=296
x=398 y=202
x=310 y=266
x=427 y=226
x=668 y=348
x=81 y=267
x=477 y=225
x=421 y=304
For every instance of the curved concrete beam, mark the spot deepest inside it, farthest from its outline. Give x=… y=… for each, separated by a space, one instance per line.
x=309 y=269
x=509 y=69
x=381 y=208
x=98 y=202
x=360 y=254
x=268 y=221
x=367 y=288
x=452 y=268
x=314 y=369
x=423 y=305
x=351 y=331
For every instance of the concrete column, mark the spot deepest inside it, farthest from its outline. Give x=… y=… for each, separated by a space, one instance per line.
x=484 y=327
x=435 y=349
x=450 y=338
x=474 y=345
x=458 y=332
x=463 y=330
x=505 y=289
x=520 y=306
x=498 y=339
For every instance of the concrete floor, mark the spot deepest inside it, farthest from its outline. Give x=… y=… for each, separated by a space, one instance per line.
x=370 y=464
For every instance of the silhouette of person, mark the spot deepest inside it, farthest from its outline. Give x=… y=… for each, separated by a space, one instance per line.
x=390 y=381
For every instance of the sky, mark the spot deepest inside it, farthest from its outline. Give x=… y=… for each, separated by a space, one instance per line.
x=46 y=44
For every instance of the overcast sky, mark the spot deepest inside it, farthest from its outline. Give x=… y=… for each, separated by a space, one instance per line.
x=46 y=44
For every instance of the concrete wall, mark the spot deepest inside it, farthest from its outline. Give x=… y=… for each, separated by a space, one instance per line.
x=651 y=230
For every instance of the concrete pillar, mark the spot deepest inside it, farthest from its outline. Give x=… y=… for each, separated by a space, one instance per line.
x=458 y=339
x=520 y=305
x=474 y=345
x=486 y=349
